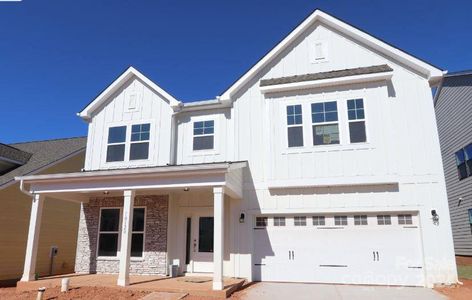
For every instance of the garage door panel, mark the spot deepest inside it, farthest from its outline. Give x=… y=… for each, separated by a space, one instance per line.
x=387 y=255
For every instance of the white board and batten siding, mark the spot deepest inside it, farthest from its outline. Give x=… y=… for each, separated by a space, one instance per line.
x=149 y=107
x=397 y=170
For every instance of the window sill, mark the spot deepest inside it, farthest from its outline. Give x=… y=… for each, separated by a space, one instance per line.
x=204 y=152
x=328 y=148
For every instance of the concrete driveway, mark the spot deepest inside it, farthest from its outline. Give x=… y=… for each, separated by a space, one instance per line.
x=305 y=291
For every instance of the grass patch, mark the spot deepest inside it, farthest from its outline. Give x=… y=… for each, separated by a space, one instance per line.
x=464 y=272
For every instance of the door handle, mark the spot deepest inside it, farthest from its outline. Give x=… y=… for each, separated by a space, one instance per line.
x=293 y=255
x=195 y=245
x=377 y=255
x=373 y=252
x=289 y=255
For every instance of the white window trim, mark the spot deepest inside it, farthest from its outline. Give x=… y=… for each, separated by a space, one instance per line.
x=127 y=161
x=294 y=125
x=118 y=250
x=215 y=135
x=348 y=137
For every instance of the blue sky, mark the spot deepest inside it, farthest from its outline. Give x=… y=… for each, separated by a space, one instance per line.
x=56 y=55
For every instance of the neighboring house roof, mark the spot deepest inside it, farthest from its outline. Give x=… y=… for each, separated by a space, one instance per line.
x=43 y=154
x=432 y=73
x=13 y=154
x=461 y=80
x=87 y=112
x=326 y=75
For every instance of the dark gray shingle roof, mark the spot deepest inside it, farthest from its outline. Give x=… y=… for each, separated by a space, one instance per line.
x=326 y=75
x=13 y=154
x=43 y=153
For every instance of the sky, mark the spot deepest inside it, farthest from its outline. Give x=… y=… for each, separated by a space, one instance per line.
x=57 y=55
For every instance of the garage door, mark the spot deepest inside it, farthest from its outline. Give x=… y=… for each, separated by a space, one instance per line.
x=379 y=249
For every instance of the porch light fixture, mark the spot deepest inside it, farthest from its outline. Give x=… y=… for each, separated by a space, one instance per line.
x=106 y=192
x=241 y=218
x=186 y=189
x=435 y=217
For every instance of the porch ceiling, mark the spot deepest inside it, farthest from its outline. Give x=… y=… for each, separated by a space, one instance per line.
x=80 y=186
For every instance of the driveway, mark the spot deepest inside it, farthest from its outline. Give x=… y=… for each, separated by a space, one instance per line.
x=305 y=291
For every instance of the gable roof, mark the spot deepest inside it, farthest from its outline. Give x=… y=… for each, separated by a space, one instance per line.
x=87 y=112
x=43 y=154
x=431 y=72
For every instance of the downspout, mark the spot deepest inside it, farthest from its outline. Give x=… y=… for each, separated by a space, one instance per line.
x=173 y=136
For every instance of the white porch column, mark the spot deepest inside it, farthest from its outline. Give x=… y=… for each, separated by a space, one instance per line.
x=126 y=230
x=33 y=238
x=218 y=238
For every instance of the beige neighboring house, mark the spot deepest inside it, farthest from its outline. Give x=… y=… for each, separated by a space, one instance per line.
x=60 y=221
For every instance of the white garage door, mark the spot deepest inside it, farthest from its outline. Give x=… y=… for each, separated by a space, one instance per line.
x=350 y=249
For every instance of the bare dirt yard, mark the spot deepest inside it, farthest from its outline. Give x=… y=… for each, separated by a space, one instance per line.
x=92 y=293
x=464 y=291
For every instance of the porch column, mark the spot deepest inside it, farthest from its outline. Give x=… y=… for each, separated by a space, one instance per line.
x=33 y=238
x=218 y=238
x=126 y=230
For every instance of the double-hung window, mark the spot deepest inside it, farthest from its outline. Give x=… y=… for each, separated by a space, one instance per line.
x=279 y=221
x=203 y=135
x=109 y=232
x=324 y=117
x=461 y=164
x=319 y=220
x=299 y=221
x=384 y=220
x=340 y=220
x=139 y=148
x=261 y=221
x=405 y=220
x=116 y=143
x=295 y=125
x=360 y=220
x=356 y=119
x=137 y=237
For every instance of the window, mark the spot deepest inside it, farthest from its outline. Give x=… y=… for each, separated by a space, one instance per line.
x=324 y=117
x=460 y=163
x=261 y=221
x=295 y=126
x=206 y=234
x=360 y=220
x=137 y=236
x=300 y=221
x=468 y=157
x=318 y=220
x=116 y=143
x=384 y=220
x=470 y=216
x=203 y=135
x=109 y=233
x=279 y=221
x=405 y=220
x=340 y=220
x=139 y=148
x=356 y=117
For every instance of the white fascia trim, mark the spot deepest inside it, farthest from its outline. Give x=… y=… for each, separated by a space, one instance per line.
x=326 y=82
x=330 y=182
x=432 y=73
x=139 y=172
x=86 y=113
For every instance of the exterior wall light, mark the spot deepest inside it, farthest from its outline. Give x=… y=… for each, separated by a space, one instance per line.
x=241 y=218
x=186 y=189
x=435 y=217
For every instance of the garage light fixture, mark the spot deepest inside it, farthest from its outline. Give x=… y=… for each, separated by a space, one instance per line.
x=241 y=218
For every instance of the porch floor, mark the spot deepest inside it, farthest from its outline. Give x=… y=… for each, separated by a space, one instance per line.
x=197 y=286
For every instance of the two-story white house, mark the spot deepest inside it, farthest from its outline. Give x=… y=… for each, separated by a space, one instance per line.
x=320 y=164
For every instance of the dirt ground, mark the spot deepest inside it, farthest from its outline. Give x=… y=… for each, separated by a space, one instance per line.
x=459 y=292
x=92 y=293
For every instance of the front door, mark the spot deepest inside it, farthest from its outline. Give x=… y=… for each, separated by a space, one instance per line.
x=201 y=243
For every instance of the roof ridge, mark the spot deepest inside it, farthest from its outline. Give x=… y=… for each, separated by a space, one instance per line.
x=49 y=140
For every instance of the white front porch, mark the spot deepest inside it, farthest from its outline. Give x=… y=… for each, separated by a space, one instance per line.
x=200 y=198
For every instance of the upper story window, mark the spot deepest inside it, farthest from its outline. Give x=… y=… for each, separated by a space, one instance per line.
x=319 y=220
x=464 y=162
x=405 y=220
x=116 y=143
x=295 y=125
x=324 y=117
x=203 y=135
x=384 y=220
x=299 y=221
x=261 y=221
x=139 y=148
x=360 y=220
x=356 y=117
x=340 y=220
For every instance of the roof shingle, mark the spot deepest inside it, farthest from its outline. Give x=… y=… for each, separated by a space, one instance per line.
x=326 y=75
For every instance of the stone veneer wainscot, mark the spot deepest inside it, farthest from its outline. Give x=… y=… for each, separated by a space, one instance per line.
x=155 y=239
